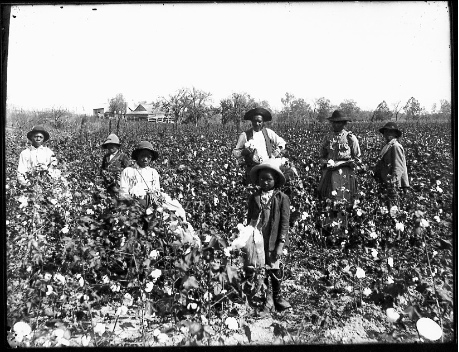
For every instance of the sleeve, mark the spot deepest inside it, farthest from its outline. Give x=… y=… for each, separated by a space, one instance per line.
x=125 y=161
x=355 y=148
x=156 y=185
x=22 y=168
x=124 y=184
x=251 y=210
x=278 y=142
x=399 y=163
x=324 y=153
x=52 y=158
x=240 y=146
x=284 y=219
x=102 y=166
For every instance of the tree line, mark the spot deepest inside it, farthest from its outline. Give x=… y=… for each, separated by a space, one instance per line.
x=191 y=105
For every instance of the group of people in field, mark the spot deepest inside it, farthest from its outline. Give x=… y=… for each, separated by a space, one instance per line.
x=259 y=150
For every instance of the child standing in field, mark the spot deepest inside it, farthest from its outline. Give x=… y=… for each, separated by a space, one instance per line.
x=35 y=157
x=113 y=162
x=269 y=212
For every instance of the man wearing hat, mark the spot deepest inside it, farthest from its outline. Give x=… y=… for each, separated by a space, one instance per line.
x=258 y=143
x=113 y=163
x=35 y=157
x=390 y=169
x=339 y=155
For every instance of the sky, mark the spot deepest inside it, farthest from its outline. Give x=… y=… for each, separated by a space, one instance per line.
x=75 y=57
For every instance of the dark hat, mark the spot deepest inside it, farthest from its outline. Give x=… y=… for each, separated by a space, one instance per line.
x=391 y=126
x=40 y=129
x=338 y=116
x=111 y=139
x=258 y=111
x=144 y=145
x=270 y=165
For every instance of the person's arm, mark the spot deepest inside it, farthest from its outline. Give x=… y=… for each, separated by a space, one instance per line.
x=355 y=148
x=22 y=168
x=278 y=142
x=324 y=154
x=239 y=152
x=155 y=180
x=124 y=184
x=399 y=163
x=283 y=226
x=52 y=158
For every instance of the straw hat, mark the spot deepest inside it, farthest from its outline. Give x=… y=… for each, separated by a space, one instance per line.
x=111 y=139
x=36 y=129
x=338 y=116
x=258 y=111
x=270 y=165
x=144 y=145
x=391 y=126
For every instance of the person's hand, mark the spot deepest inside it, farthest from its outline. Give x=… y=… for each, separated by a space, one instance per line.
x=245 y=152
x=278 y=251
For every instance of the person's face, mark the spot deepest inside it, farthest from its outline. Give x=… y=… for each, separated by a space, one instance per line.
x=257 y=123
x=389 y=135
x=144 y=158
x=267 y=180
x=112 y=148
x=338 y=126
x=37 y=139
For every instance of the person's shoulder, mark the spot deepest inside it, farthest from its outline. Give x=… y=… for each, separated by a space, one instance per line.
x=282 y=194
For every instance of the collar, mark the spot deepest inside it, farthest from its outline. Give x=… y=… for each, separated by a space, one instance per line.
x=31 y=147
x=114 y=153
x=387 y=147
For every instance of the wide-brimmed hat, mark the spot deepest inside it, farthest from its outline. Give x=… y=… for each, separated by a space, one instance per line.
x=270 y=165
x=338 y=116
x=265 y=114
x=111 y=139
x=40 y=129
x=391 y=126
x=144 y=145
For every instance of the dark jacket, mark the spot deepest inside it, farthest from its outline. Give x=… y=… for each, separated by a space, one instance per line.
x=118 y=163
x=280 y=216
x=393 y=166
x=110 y=170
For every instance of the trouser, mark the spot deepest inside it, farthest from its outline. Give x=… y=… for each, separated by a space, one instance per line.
x=273 y=292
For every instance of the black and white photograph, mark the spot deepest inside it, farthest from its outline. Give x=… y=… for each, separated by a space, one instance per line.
x=230 y=174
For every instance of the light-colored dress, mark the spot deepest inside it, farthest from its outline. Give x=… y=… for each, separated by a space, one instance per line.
x=31 y=158
x=336 y=149
x=138 y=181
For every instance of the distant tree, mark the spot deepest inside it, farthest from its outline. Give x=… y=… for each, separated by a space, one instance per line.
x=397 y=108
x=434 y=108
x=412 y=109
x=176 y=104
x=445 y=108
x=198 y=106
x=287 y=102
x=301 y=110
x=234 y=107
x=118 y=105
x=349 y=108
x=382 y=112
x=322 y=109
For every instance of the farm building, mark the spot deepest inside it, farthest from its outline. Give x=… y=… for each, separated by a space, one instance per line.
x=148 y=112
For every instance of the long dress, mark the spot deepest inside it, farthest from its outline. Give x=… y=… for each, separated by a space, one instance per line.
x=336 y=149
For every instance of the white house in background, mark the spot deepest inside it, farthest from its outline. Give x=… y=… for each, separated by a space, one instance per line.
x=150 y=113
